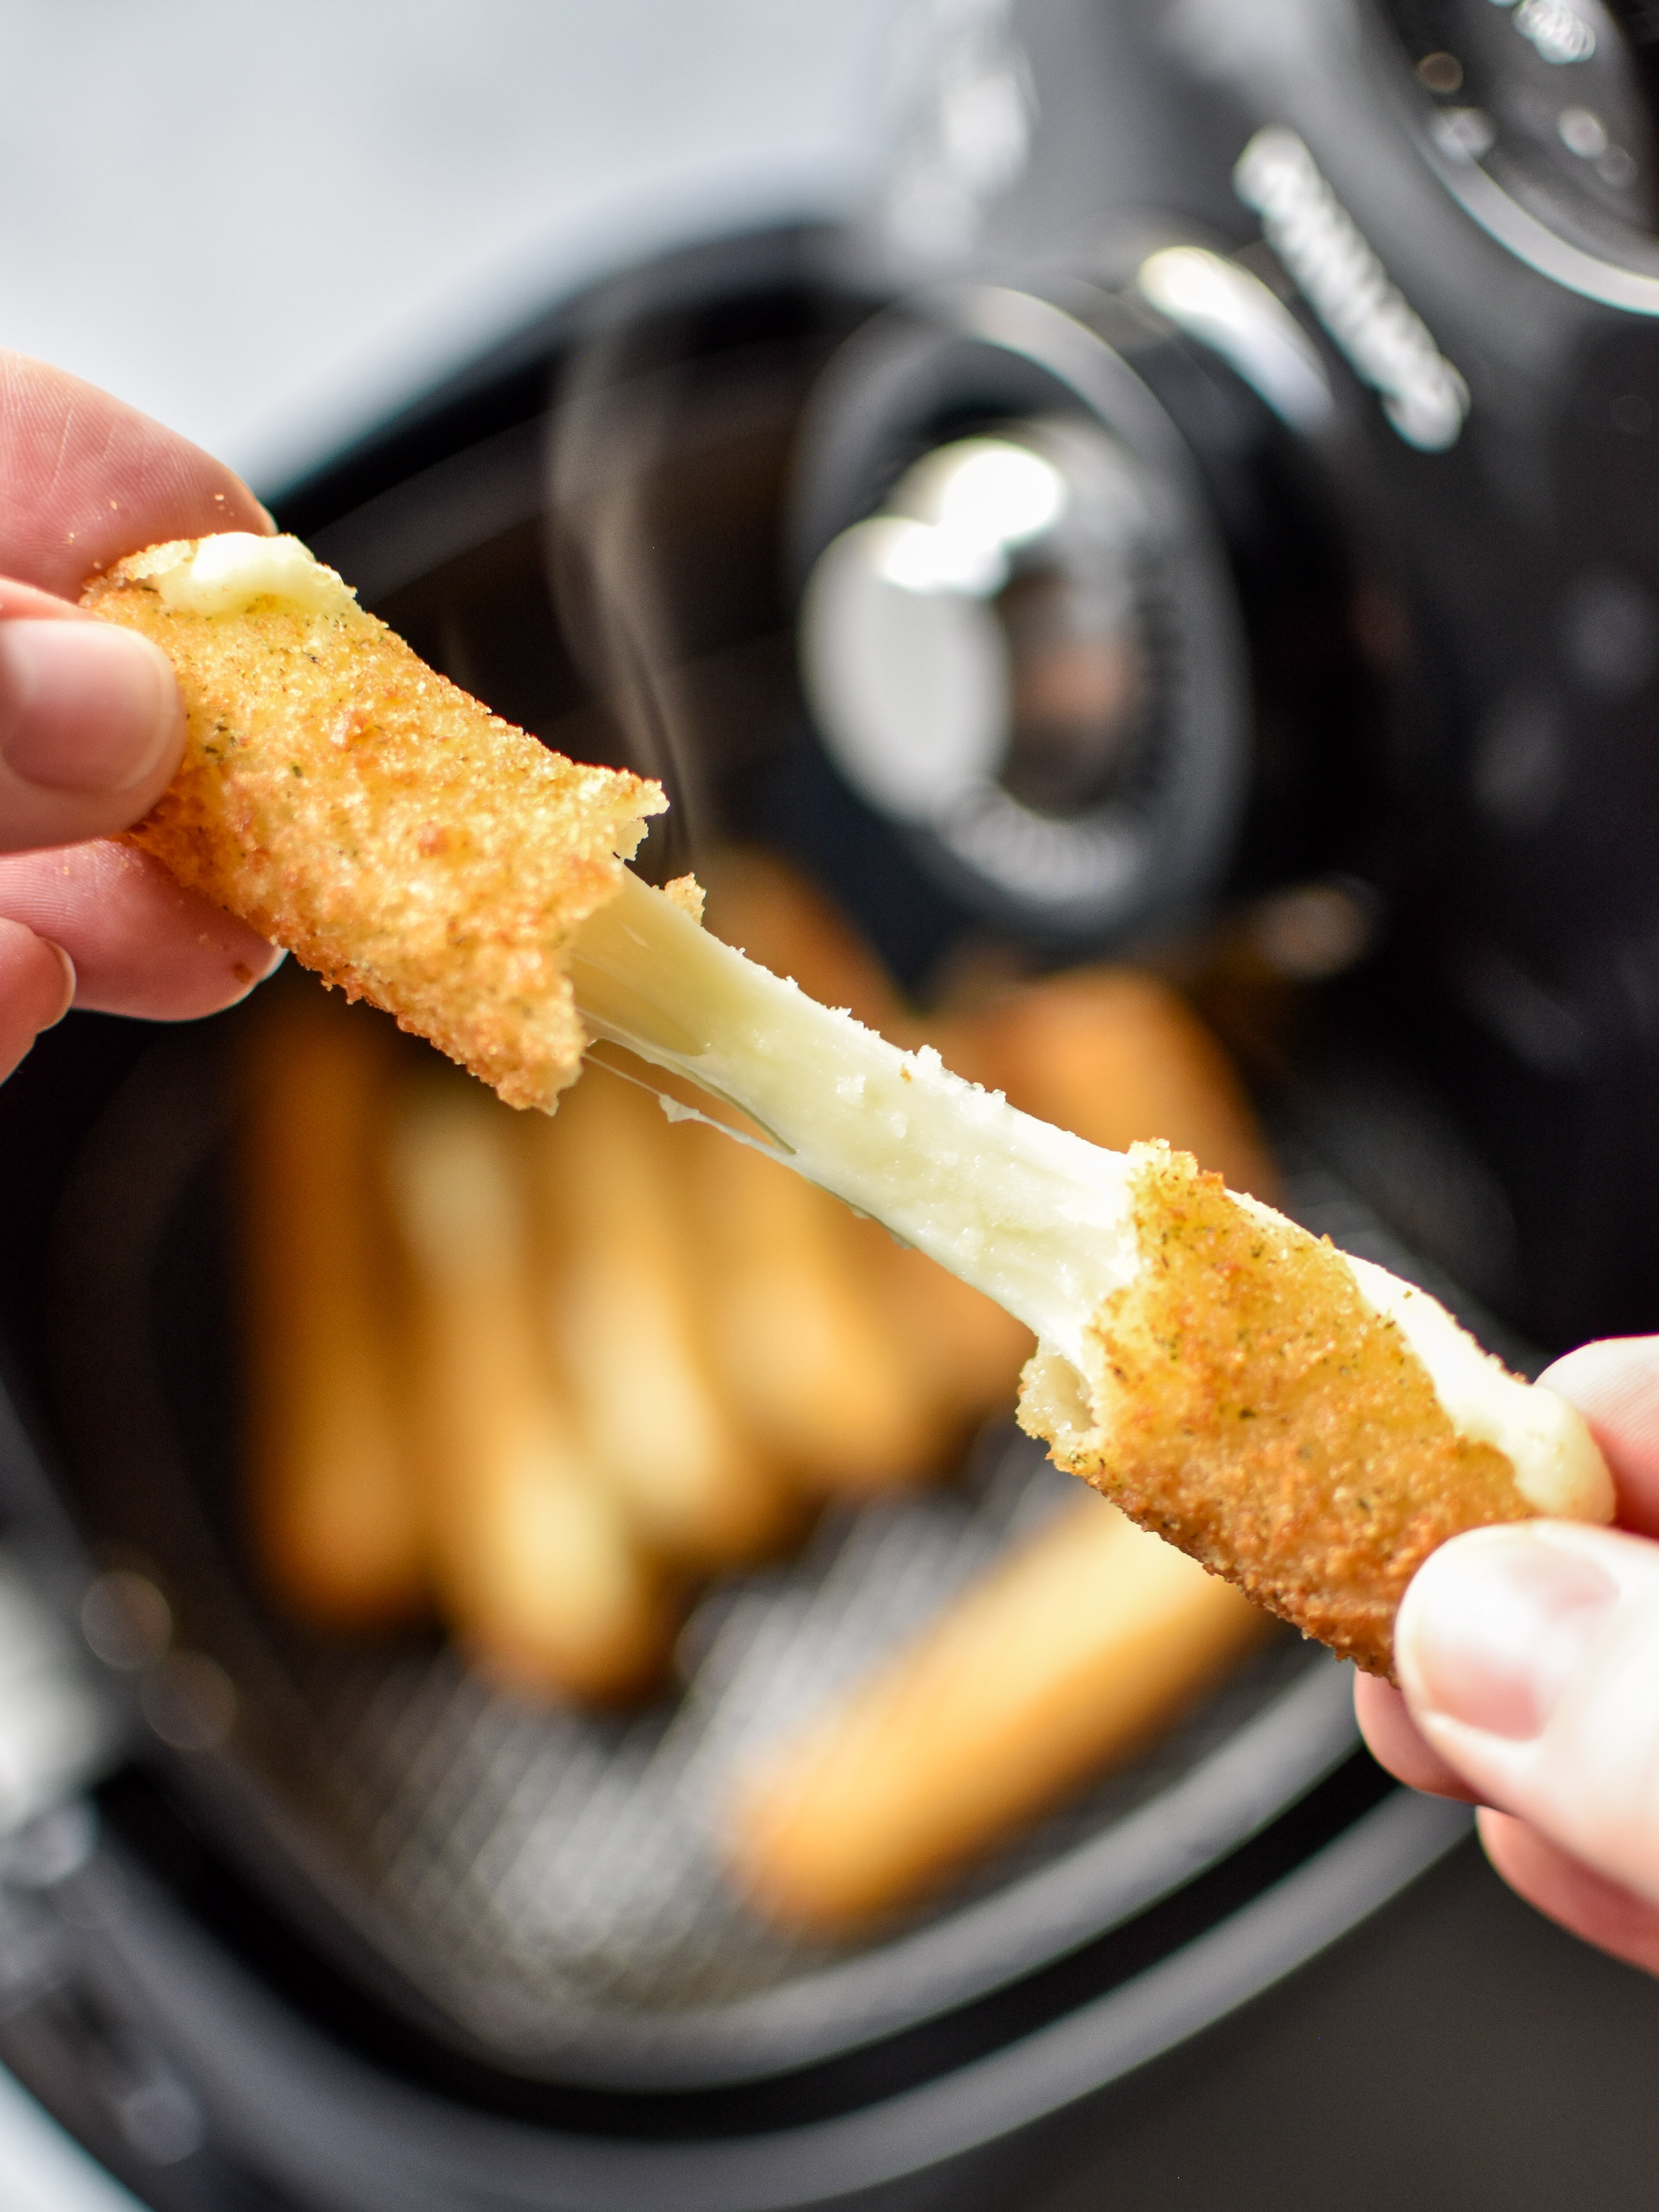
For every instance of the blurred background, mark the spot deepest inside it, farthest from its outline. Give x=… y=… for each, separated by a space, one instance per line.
x=390 y=1861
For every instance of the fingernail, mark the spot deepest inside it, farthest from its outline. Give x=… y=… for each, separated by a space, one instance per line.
x=1493 y=1626
x=84 y=706
x=71 y=980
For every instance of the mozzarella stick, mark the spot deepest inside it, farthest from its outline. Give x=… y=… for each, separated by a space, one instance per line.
x=336 y=1516
x=1303 y=1423
x=1063 y=1660
x=354 y=806
x=1300 y=1421
x=621 y=1305
x=534 y=1566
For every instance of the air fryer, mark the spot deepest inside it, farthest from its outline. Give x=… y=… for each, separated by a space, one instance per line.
x=1200 y=518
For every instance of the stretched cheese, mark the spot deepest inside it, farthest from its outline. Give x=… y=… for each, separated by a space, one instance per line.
x=1296 y=1420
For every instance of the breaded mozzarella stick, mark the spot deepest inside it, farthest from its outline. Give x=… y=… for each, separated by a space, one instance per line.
x=1299 y=1422
x=338 y=1525
x=354 y=806
x=533 y=1561
x=1057 y=1662
x=1303 y=1423
x=621 y=1307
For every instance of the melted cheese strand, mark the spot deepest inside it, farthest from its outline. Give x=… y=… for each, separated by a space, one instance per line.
x=1034 y=1217
x=1037 y=1218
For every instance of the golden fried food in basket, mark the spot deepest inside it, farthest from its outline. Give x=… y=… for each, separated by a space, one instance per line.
x=1062 y=1660
x=533 y=1559
x=624 y=1297
x=335 y=1514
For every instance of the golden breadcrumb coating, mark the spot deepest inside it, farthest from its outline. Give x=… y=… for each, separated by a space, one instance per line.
x=358 y=809
x=1246 y=1403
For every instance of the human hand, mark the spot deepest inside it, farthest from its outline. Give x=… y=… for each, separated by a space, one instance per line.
x=91 y=727
x=1529 y=1663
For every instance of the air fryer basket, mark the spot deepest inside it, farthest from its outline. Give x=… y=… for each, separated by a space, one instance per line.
x=549 y=1878
x=538 y=1888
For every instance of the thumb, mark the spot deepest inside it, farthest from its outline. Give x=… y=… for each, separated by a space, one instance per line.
x=91 y=728
x=1530 y=1656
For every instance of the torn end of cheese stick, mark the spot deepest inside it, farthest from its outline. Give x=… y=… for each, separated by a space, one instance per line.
x=1304 y=1423
x=337 y=1519
x=1113 y=1055
x=1301 y=1421
x=534 y=1566
x=1060 y=1662
x=355 y=807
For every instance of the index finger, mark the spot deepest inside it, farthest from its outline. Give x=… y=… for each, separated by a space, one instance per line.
x=84 y=479
x=1615 y=1386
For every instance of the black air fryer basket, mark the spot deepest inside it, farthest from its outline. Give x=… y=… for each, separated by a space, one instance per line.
x=1362 y=450
x=473 y=1938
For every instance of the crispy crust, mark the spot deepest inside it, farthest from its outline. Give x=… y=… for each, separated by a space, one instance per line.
x=1245 y=1402
x=358 y=809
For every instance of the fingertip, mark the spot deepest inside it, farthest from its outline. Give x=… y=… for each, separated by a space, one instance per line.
x=91 y=730
x=37 y=990
x=1615 y=1384
x=1496 y=1623
x=71 y=980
